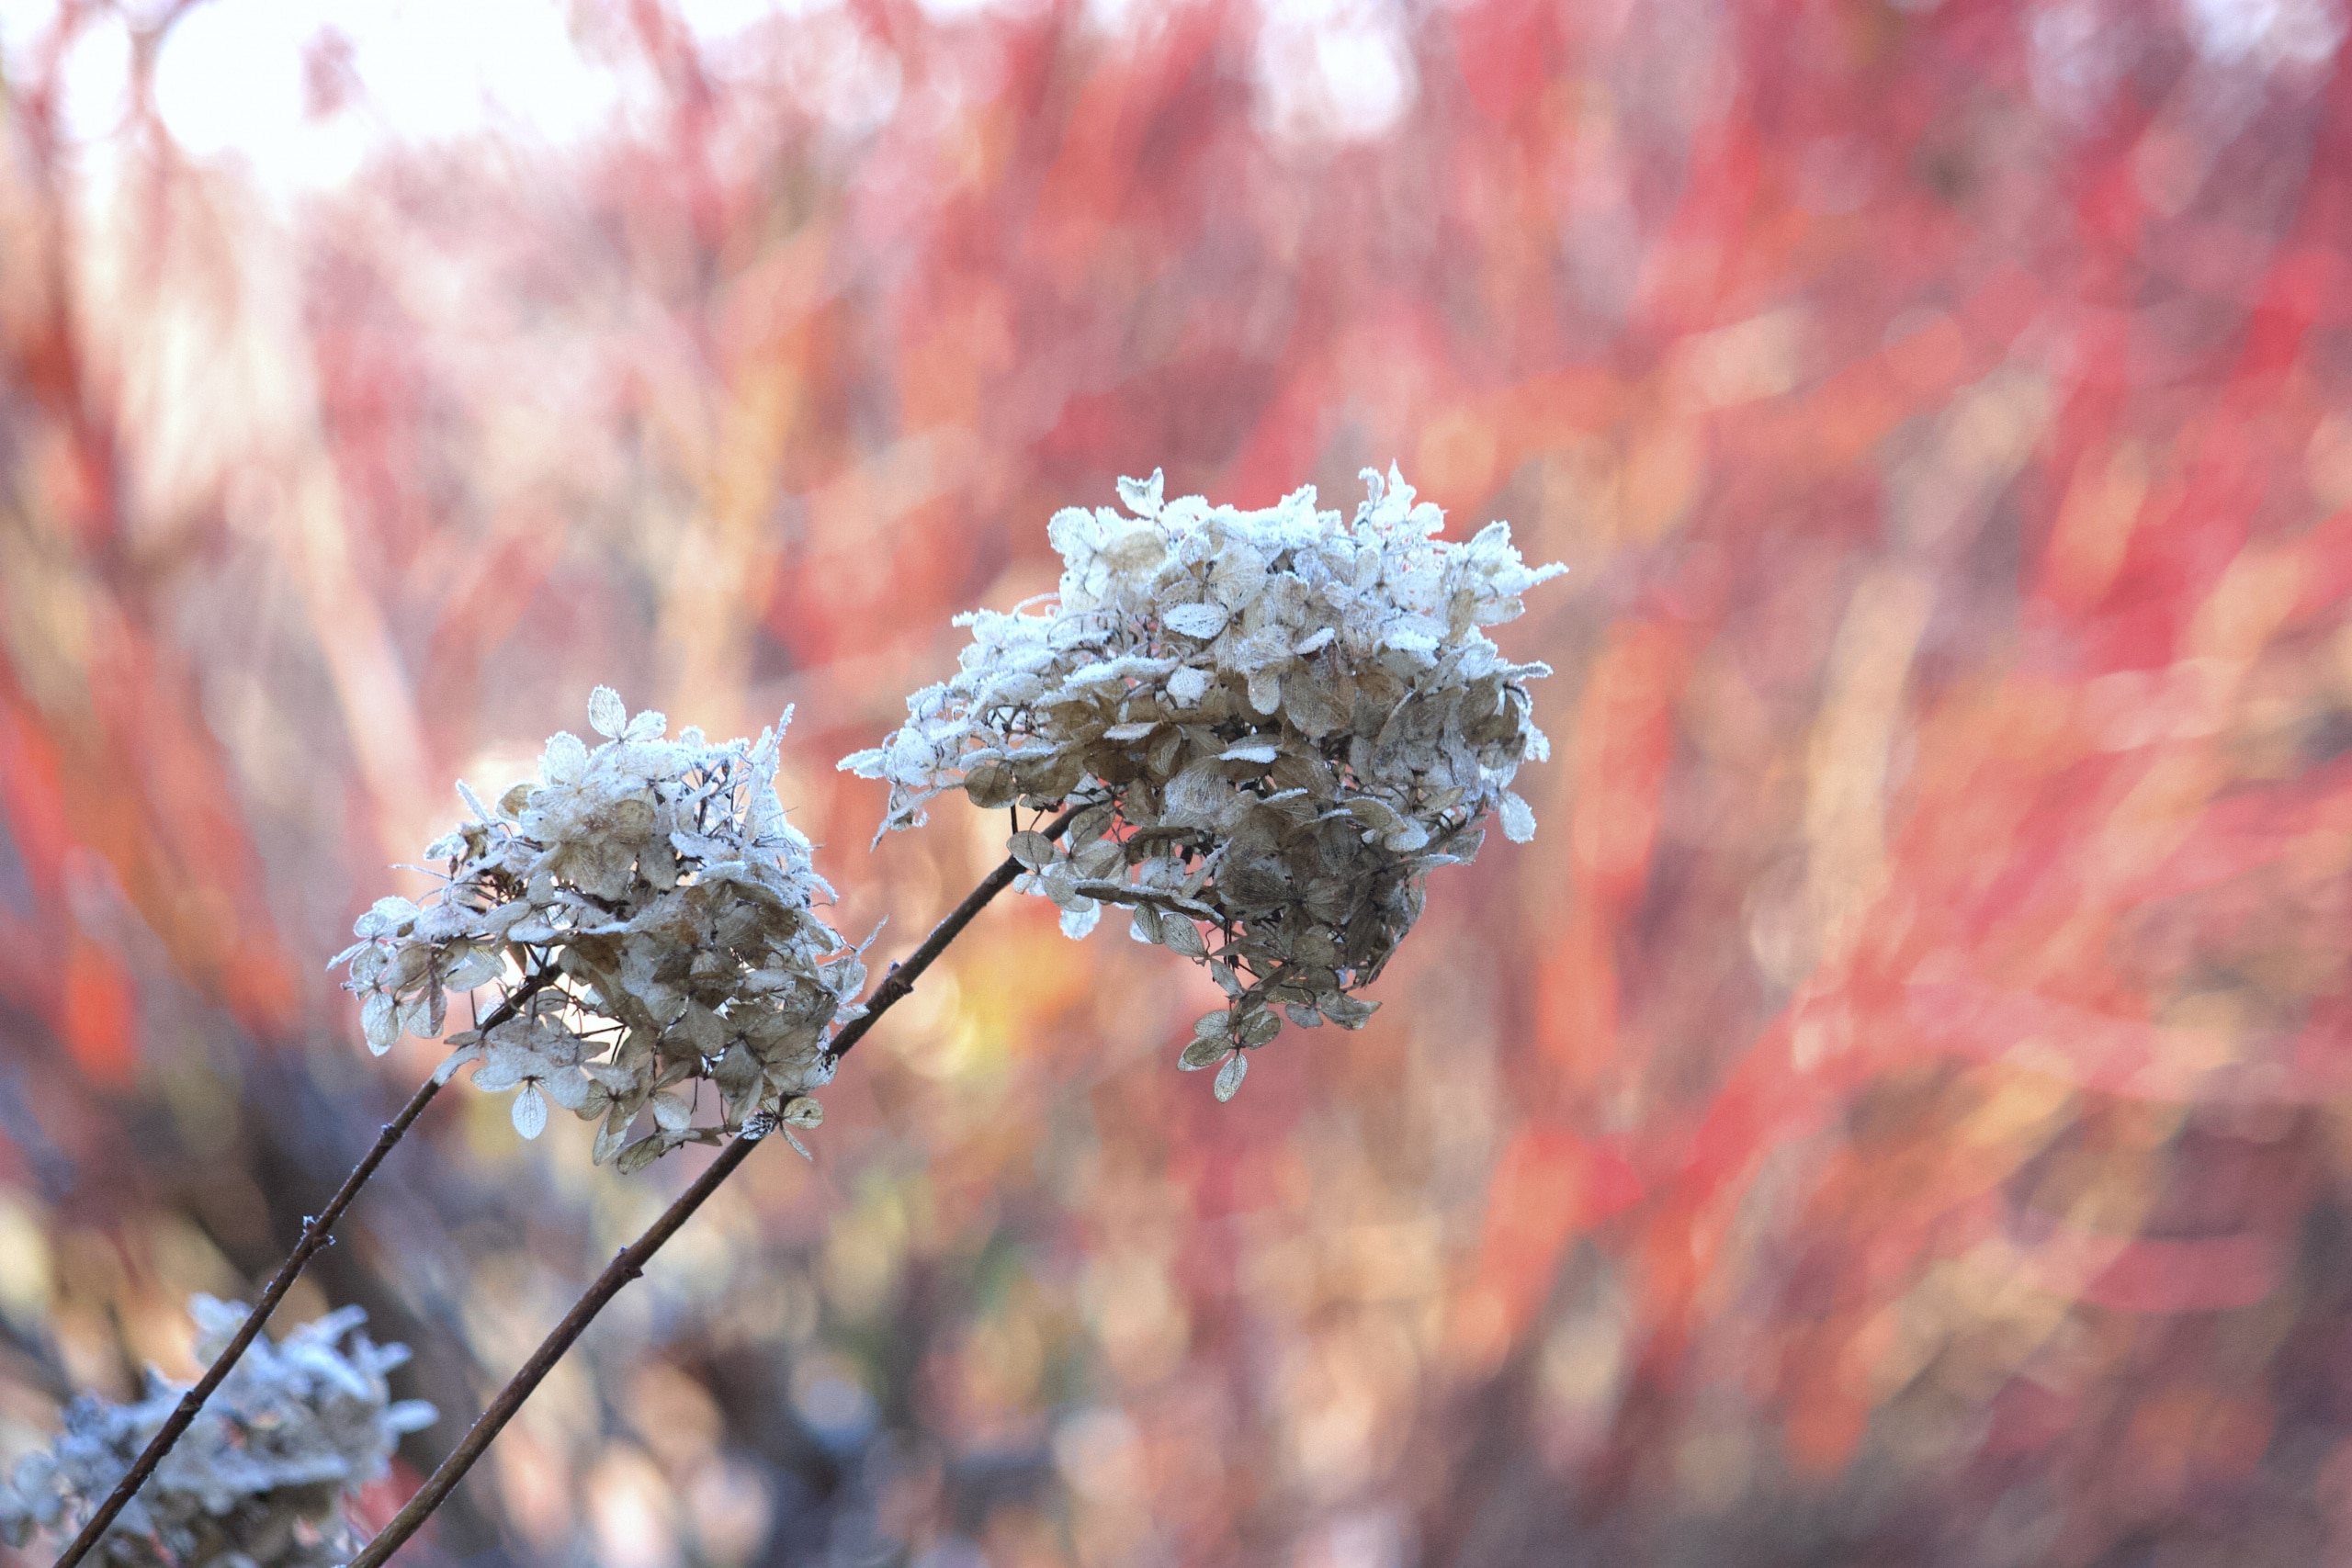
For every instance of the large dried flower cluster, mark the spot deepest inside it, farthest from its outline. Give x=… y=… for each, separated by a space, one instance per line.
x=656 y=916
x=255 y=1482
x=1285 y=723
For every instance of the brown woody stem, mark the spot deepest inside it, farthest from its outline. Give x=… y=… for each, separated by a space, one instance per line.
x=631 y=1260
x=315 y=1237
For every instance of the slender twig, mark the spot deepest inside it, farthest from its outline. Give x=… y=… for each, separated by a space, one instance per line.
x=903 y=975
x=631 y=1260
x=314 y=1238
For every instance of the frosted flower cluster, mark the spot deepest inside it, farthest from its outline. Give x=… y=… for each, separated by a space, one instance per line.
x=1282 y=722
x=253 y=1483
x=656 y=916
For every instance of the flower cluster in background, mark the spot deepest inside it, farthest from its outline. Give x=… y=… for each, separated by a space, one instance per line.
x=659 y=917
x=1279 y=726
x=257 y=1480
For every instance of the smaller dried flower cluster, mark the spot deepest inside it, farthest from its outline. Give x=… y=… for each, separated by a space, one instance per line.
x=1285 y=722
x=255 y=1482
x=660 y=915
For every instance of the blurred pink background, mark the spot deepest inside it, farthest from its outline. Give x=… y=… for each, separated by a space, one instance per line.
x=1899 y=1110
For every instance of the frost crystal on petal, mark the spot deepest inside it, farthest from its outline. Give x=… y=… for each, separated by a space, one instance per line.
x=665 y=913
x=256 y=1480
x=1286 y=720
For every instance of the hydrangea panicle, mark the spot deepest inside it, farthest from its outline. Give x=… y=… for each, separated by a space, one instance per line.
x=256 y=1480
x=1289 y=720
x=662 y=915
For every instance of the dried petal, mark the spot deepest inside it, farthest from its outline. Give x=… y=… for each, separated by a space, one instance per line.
x=565 y=761
x=606 y=712
x=609 y=1139
x=1200 y=621
x=1201 y=1053
x=1230 y=1076
x=454 y=1060
x=636 y=1156
x=479 y=967
x=381 y=1019
x=530 y=1111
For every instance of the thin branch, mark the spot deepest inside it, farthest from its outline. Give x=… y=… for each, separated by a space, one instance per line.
x=903 y=975
x=631 y=1260
x=315 y=1237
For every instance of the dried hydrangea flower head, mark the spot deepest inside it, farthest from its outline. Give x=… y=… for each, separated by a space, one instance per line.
x=256 y=1479
x=660 y=914
x=1286 y=721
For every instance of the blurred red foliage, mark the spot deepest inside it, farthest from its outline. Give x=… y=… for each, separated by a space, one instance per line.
x=1894 y=1112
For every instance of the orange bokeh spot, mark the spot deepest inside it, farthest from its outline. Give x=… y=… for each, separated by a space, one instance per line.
x=1825 y=1426
x=101 y=1016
